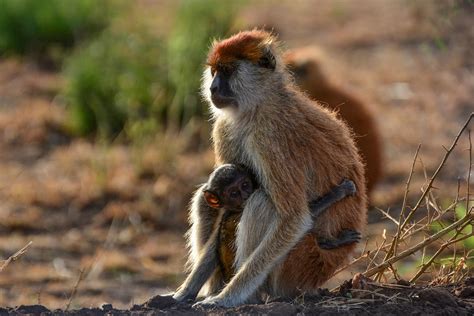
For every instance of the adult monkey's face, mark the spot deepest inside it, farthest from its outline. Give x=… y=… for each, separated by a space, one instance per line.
x=238 y=70
x=221 y=93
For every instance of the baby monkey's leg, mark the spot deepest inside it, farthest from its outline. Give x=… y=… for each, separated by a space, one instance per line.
x=347 y=236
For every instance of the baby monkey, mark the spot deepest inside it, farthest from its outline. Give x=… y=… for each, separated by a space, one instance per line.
x=225 y=194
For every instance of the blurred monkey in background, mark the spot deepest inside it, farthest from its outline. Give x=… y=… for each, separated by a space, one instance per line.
x=306 y=64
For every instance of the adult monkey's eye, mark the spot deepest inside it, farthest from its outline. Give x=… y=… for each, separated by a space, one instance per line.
x=227 y=69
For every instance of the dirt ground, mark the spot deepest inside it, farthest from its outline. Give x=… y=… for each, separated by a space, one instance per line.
x=388 y=299
x=107 y=220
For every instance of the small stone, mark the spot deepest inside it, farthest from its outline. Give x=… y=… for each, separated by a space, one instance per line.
x=360 y=282
x=31 y=309
x=437 y=296
x=107 y=307
x=403 y=282
x=469 y=281
x=464 y=292
x=136 y=307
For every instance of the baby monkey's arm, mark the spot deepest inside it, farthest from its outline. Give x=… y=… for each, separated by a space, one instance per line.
x=347 y=236
x=202 y=269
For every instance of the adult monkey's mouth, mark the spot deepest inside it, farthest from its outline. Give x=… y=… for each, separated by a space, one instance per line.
x=221 y=102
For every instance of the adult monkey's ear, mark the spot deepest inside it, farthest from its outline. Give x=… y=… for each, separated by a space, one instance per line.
x=211 y=199
x=268 y=59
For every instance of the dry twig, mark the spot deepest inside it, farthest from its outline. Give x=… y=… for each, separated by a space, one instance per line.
x=15 y=256
x=453 y=227
x=435 y=174
x=395 y=240
x=405 y=229
x=468 y=178
x=426 y=265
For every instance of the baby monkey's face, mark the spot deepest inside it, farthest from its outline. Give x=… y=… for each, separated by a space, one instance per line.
x=235 y=194
x=229 y=188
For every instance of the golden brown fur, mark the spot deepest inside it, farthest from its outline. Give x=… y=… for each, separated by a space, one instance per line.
x=305 y=63
x=226 y=244
x=298 y=151
x=335 y=158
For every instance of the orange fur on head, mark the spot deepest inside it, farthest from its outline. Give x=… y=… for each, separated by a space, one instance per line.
x=247 y=45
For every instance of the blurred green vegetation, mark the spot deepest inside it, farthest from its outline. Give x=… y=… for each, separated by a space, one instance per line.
x=42 y=27
x=131 y=81
x=460 y=212
x=116 y=79
x=467 y=244
x=198 y=22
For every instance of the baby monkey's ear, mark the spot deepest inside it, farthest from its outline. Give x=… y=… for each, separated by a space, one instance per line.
x=212 y=199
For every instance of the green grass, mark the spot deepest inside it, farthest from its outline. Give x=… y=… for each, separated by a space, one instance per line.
x=132 y=82
x=42 y=27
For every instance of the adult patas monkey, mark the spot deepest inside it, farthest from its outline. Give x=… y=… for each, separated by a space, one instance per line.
x=298 y=152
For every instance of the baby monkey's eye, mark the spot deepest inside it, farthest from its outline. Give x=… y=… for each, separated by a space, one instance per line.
x=245 y=185
x=234 y=194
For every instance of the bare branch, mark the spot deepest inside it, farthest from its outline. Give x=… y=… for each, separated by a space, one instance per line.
x=395 y=240
x=468 y=180
x=386 y=263
x=426 y=265
x=15 y=256
x=387 y=215
x=440 y=167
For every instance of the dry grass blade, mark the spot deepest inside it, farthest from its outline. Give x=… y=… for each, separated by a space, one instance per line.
x=393 y=286
x=387 y=215
x=74 y=289
x=407 y=188
x=15 y=256
x=468 y=178
x=395 y=240
x=376 y=293
x=363 y=256
x=375 y=255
